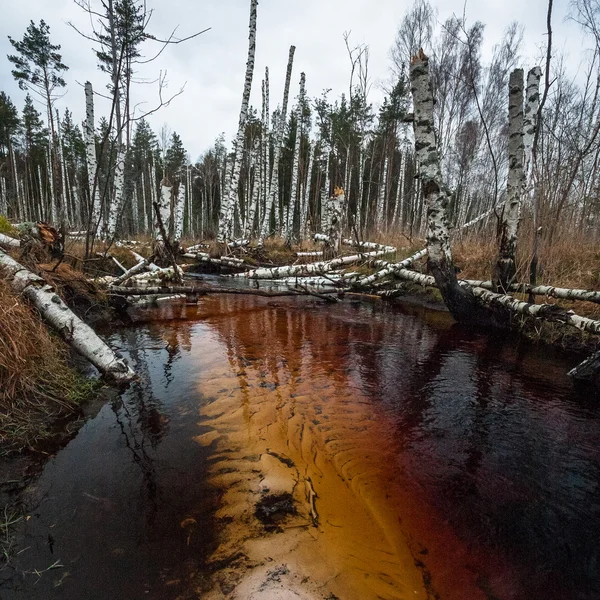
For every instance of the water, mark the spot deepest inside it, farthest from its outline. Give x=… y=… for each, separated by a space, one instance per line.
x=423 y=459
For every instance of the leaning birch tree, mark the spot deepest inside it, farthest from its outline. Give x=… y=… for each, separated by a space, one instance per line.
x=228 y=205
x=460 y=303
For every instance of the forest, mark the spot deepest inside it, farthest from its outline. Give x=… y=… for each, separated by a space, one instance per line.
x=472 y=190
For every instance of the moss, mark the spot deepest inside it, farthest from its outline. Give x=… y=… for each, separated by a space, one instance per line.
x=7 y=228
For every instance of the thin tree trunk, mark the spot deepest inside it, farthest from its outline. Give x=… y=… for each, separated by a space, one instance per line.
x=273 y=197
x=228 y=206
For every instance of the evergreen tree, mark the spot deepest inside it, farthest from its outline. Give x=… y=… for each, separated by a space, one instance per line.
x=34 y=135
x=9 y=123
x=175 y=156
x=38 y=65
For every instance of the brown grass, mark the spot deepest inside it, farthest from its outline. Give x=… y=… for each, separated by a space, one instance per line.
x=36 y=383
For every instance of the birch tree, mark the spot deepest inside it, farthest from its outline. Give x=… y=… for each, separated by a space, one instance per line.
x=228 y=205
x=505 y=269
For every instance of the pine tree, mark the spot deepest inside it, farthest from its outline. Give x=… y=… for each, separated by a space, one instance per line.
x=175 y=157
x=38 y=65
x=9 y=123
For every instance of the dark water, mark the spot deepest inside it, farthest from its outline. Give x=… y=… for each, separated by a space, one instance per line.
x=490 y=439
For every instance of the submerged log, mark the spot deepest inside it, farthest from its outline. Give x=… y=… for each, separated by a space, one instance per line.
x=71 y=328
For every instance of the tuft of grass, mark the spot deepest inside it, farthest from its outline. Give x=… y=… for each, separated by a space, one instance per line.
x=37 y=385
x=7 y=228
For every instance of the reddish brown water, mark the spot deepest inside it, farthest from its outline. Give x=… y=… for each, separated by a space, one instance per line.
x=422 y=460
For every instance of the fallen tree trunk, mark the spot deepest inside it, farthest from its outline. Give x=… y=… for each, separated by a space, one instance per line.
x=139 y=268
x=549 y=312
x=390 y=268
x=71 y=328
x=9 y=242
x=201 y=291
x=543 y=290
x=308 y=269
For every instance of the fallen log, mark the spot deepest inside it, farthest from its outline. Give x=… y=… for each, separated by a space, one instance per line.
x=308 y=269
x=71 y=328
x=139 y=268
x=9 y=242
x=544 y=290
x=321 y=237
x=390 y=268
x=201 y=291
x=549 y=312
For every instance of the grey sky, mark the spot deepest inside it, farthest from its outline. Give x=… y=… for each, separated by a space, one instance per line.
x=213 y=64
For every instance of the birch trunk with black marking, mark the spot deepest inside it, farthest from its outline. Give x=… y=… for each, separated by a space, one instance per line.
x=336 y=214
x=273 y=197
x=308 y=269
x=461 y=304
x=114 y=208
x=325 y=192
x=228 y=207
x=90 y=154
x=179 y=206
x=306 y=193
x=70 y=327
x=164 y=210
x=380 y=208
x=289 y=224
x=4 y=197
x=506 y=269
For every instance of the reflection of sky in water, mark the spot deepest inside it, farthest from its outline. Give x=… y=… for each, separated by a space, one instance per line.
x=489 y=432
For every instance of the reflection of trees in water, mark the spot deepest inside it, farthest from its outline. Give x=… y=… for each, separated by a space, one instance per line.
x=140 y=415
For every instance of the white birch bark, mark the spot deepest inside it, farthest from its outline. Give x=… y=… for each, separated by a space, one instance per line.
x=117 y=199
x=306 y=194
x=70 y=327
x=309 y=269
x=179 y=206
x=532 y=102
x=63 y=202
x=228 y=207
x=4 y=196
x=9 y=242
x=336 y=215
x=53 y=213
x=135 y=217
x=325 y=193
x=90 y=154
x=273 y=197
x=295 y=162
x=399 y=205
x=380 y=209
x=164 y=208
x=391 y=268
x=505 y=270
x=266 y=173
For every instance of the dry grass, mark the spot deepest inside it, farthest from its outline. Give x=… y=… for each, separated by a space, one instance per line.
x=37 y=385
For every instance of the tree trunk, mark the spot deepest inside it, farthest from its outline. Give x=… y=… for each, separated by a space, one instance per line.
x=228 y=205
x=506 y=269
x=273 y=197
x=90 y=148
x=72 y=329
x=460 y=303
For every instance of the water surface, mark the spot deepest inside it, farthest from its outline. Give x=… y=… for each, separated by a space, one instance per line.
x=424 y=460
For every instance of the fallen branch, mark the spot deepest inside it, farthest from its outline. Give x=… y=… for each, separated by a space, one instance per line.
x=71 y=328
x=390 y=268
x=202 y=290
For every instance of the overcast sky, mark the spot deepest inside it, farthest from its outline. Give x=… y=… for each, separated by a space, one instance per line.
x=212 y=65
